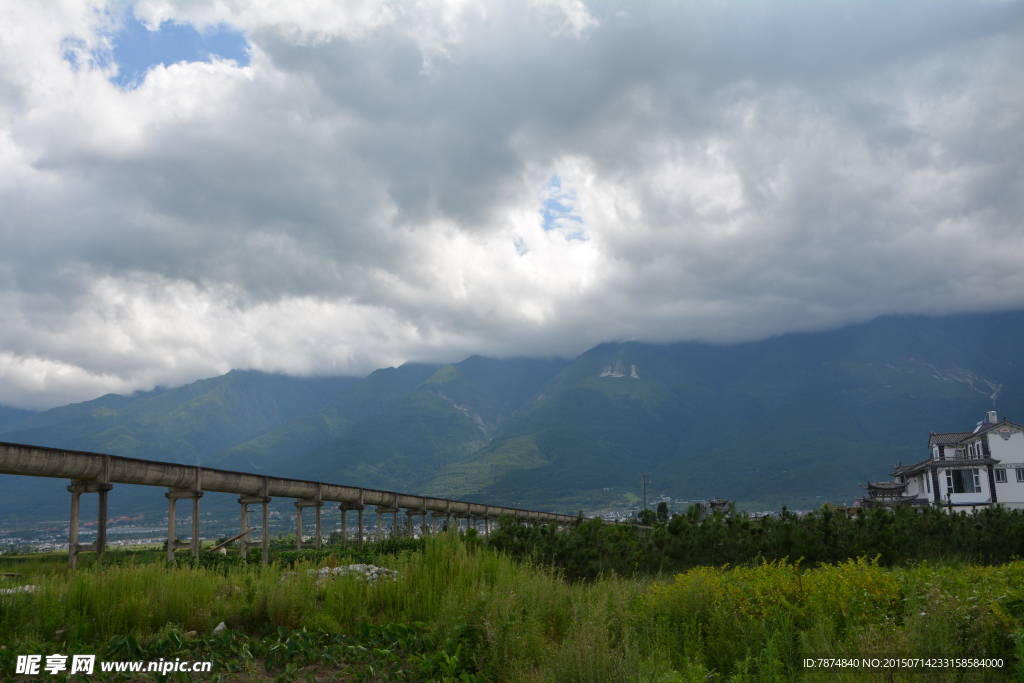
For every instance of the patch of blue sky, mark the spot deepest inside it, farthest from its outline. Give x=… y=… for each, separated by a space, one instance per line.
x=560 y=209
x=75 y=52
x=136 y=49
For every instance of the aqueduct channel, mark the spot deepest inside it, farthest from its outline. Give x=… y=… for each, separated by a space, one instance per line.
x=98 y=472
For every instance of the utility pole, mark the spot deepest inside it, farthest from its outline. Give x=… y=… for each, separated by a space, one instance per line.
x=645 y=480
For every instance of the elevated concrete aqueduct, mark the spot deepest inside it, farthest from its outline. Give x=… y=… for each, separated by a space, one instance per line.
x=98 y=472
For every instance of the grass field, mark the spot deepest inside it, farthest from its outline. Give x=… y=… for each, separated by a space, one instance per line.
x=460 y=611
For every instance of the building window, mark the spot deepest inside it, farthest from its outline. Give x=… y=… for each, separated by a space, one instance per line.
x=928 y=482
x=1001 y=476
x=1020 y=475
x=964 y=481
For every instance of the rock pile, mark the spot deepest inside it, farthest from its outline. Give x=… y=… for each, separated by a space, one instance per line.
x=370 y=572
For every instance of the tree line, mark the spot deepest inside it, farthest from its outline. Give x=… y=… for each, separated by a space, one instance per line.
x=896 y=536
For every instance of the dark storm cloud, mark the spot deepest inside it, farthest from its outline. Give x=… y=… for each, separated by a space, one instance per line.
x=370 y=187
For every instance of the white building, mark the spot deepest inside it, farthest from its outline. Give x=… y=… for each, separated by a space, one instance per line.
x=966 y=469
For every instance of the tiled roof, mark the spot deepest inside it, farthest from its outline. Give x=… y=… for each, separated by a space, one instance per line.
x=884 y=485
x=911 y=469
x=901 y=500
x=1000 y=424
x=949 y=438
x=924 y=465
x=963 y=462
x=954 y=438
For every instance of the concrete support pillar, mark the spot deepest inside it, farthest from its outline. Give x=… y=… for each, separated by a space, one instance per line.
x=396 y=525
x=410 y=519
x=73 y=529
x=245 y=544
x=318 y=527
x=345 y=507
x=387 y=509
x=299 y=505
x=173 y=496
x=76 y=489
x=447 y=515
x=381 y=511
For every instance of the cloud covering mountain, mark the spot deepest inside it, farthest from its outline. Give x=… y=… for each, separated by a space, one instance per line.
x=362 y=184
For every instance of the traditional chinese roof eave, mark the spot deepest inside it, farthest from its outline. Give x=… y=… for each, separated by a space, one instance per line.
x=948 y=438
x=916 y=468
x=931 y=463
x=899 y=500
x=884 y=485
x=1001 y=423
x=963 y=462
x=957 y=438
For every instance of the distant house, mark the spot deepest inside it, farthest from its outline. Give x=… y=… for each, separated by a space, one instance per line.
x=965 y=470
x=889 y=493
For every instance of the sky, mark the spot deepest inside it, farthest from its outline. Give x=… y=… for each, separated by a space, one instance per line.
x=315 y=187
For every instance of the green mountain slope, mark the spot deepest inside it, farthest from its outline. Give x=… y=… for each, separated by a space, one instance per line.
x=796 y=420
x=379 y=391
x=10 y=415
x=187 y=424
x=448 y=417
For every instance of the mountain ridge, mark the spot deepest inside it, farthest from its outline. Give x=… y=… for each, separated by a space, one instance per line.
x=796 y=419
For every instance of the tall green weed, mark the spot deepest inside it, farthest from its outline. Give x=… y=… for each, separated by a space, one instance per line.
x=460 y=611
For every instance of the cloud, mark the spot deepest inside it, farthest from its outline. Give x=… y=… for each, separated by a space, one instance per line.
x=382 y=182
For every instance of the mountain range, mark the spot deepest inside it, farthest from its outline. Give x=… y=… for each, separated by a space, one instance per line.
x=795 y=420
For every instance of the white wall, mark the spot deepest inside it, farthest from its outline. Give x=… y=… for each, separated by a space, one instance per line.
x=916 y=486
x=1012 y=491
x=1007 y=452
